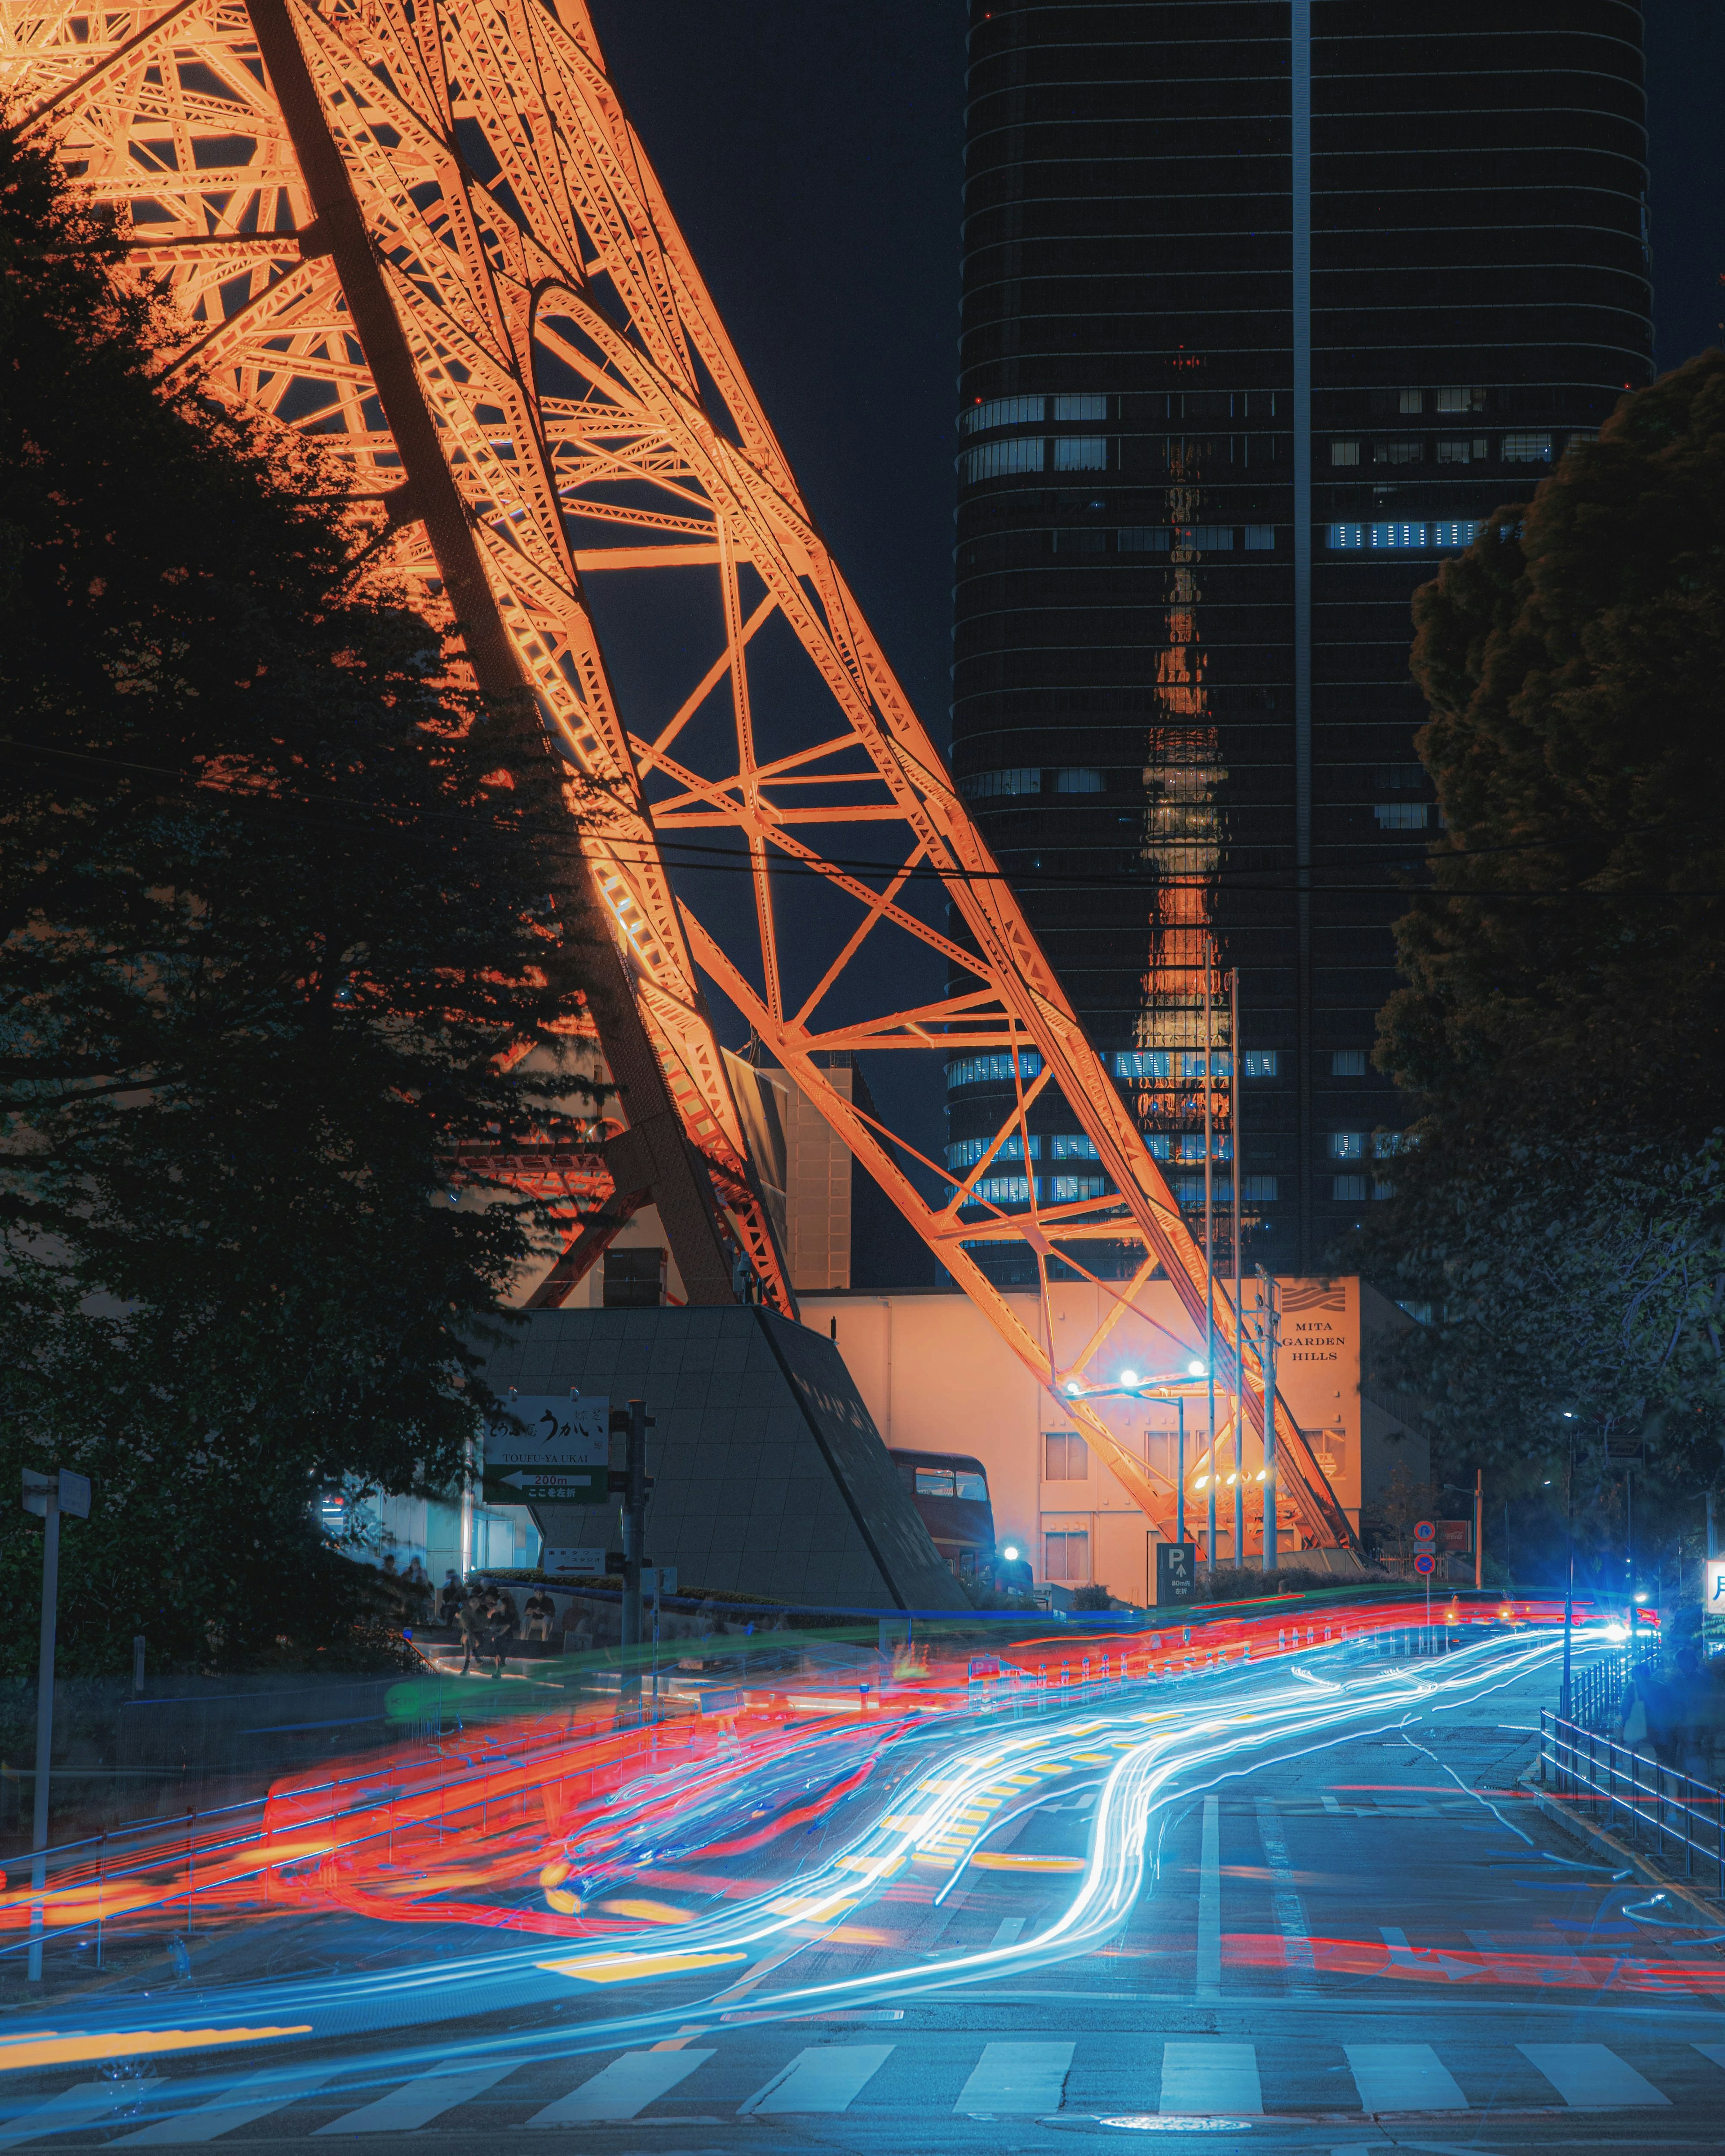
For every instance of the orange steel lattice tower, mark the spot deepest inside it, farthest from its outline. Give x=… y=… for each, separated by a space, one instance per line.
x=425 y=231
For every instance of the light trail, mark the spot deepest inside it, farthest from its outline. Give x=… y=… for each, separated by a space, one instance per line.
x=1156 y=1746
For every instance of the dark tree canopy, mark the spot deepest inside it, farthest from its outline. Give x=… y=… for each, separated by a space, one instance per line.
x=1573 y=660
x=1562 y=1205
x=271 y=944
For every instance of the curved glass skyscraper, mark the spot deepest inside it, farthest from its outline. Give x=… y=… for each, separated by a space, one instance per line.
x=1265 y=306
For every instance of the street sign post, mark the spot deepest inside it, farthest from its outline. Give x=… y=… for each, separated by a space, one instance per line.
x=1713 y=1606
x=46 y=1496
x=572 y=1562
x=561 y=1457
x=1176 y=1573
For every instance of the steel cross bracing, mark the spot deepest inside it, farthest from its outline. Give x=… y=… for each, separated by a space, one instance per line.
x=428 y=234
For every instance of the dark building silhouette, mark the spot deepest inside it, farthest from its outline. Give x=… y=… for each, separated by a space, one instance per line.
x=1266 y=307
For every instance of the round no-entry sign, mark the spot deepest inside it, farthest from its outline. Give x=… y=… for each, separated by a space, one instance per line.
x=1426 y=1531
x=1426 y=1564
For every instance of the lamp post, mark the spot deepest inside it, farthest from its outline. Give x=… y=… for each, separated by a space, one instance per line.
x=1234 y=1152
x=1564 y=1695
x=1210 y=1261
x=1180 y=1467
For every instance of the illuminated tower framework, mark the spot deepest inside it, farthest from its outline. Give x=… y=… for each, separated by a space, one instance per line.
x=428 y=234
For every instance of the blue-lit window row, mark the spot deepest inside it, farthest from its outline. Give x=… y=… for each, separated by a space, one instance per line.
x=1253 y=1189
x=1062 y=1145
x=994 y=1070
x=1050 y=1190
x=1353 y=1190
x=1138 y=1064
x=1160 y=1063
x=1376 y=537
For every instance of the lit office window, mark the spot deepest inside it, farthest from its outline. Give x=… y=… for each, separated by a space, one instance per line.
x=1400 y=815
x=1258 y=1063
x=1461 y=400
x=1348 y=1189
x=1347 y=1144
x=1144 y=1063
x=1079 y=778
x=1003 y=1190
x=1259 y=538
x=1080 y=453
x=1347 y=1063
x=1526 y=448
x=1257 y=1189
x=1400 y=452
x=1073 y=1189
x=1412 y=400
x=1344 y=453
x=1066 y=1145
x=993 y=1069
x=1089 y=407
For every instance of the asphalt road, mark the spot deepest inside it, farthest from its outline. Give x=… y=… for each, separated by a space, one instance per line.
x=1379 y=1943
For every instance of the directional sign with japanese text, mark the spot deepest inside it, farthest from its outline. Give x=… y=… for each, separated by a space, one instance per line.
x=561 y=1457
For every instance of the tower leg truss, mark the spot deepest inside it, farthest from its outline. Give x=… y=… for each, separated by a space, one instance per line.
x=428 y=234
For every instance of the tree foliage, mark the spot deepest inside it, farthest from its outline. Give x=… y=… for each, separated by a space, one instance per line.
x=1559 y=1204
x=271 y=945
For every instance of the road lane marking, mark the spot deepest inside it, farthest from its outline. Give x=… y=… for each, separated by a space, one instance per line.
x=1209 y=1904
x=417 y=2102
x=255 y=2096
x=1208 y=2074
x=1006 y=1930
x=826 y=2077
x=1590 y=2074
x=81 y=2105
x=1403 y=2077
x=1285 y=1900
x=617 y=2092
x=1017 y=2077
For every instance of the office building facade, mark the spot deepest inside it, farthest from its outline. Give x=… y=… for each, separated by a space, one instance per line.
x=1267 y=305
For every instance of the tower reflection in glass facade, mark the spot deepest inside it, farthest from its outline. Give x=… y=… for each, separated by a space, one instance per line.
x=1265 y=307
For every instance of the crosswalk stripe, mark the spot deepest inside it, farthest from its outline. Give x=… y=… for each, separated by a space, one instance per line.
x=1013 y=2077
x=1208 y=2074
x=77 y=2106
x=254 y=2096
x=1590 y=2074
x=826 y=2077
x=1403 y=2077
x=617 y=2091
x=1006 y=1931
x=417 y=2102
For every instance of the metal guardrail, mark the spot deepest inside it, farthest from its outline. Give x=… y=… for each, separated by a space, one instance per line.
x=1653 y=1805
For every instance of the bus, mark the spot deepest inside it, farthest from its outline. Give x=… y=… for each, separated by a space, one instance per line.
x=950 y=1491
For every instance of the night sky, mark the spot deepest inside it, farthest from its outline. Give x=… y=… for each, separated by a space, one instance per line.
x=814 y=156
